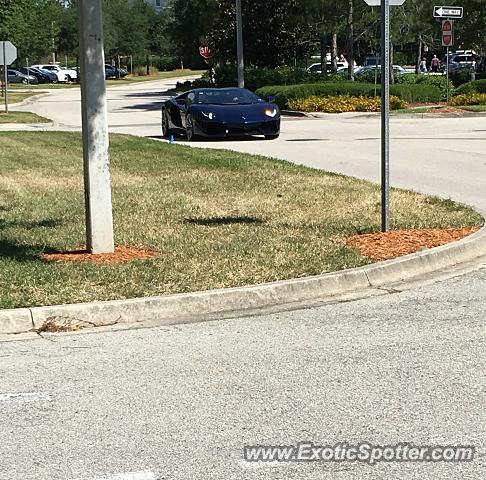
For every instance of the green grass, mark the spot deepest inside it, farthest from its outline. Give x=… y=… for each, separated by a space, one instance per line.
x=474 y=108
x=218 y=218
x=17 y=97
x=21 y=117
x=122 y=81
x=415 y=110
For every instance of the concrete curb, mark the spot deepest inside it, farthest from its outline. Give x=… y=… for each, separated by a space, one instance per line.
x=199 y=306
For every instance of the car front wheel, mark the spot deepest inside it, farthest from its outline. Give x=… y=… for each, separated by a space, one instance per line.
x=165 y=125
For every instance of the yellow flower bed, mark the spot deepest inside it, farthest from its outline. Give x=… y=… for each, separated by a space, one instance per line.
x=343 y=103
x=469 y=99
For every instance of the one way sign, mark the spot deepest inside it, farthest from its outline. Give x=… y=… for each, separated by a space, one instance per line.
x=448 y=12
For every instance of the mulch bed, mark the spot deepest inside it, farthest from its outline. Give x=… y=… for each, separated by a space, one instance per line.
x=393 y=244
x=122 y=254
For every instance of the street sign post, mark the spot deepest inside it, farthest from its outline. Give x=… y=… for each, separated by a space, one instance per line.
x=448 y=12
x=239 y=45
x=385 y=107
x=447 y=41
x=8 y=55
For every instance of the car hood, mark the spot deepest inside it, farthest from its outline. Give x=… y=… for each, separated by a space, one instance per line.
x=237 y=113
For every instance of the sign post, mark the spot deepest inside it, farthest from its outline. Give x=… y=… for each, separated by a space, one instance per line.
x=447 y=41
x=385 y=107
x=8 y=55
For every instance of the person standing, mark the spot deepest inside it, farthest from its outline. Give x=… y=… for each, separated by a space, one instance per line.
x=435 y=64
x=423 y=65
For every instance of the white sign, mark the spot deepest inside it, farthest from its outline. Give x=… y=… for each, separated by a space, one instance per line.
x=377 y=3
x=10 y=51
x=448 y=12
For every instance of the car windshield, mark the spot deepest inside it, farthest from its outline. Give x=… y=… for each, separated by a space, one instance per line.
x=234 y=96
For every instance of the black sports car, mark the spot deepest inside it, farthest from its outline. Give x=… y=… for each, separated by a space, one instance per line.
x=220 y=112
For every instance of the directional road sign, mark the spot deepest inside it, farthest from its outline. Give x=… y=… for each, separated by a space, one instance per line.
x=377 y=3
x=8 y=53
x=448 y=12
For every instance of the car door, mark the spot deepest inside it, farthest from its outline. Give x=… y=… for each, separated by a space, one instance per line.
x=176 y=107
x=189 y=100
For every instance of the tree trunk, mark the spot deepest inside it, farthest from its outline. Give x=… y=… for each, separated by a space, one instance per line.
x=323 y=54
x=350 y=40
x=334 y=53
x=419 y=53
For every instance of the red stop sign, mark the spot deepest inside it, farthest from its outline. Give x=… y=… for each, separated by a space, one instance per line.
x=206 y=51
x=447 y=33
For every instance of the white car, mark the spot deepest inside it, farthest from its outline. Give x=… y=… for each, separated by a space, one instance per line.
x=63 y=74
x=316 y=67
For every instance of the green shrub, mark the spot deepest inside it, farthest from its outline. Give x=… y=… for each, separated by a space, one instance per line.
x=476 y=86
x=408 y=93
x=343 y=103
x=460 y=77
x=256 y=77
x=469 y=99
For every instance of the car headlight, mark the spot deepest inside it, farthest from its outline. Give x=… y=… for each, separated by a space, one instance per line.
x=209 y=115
x=271 y=112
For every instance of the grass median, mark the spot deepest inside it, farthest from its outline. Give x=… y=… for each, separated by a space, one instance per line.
x=21 y=117
x=217 y=219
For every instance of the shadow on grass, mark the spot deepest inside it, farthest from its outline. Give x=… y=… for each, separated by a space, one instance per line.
x=22 y=253
x=29 y=224
x=216 y=221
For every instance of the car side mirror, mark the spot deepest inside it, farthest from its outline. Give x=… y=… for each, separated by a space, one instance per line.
x=270 y=99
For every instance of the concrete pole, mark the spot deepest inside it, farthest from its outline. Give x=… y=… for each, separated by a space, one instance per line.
x=97 y=178
x=239 y=45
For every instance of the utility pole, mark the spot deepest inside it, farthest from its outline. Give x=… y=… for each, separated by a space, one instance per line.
x=239 y=45
x=97 y=177
x=385 y=115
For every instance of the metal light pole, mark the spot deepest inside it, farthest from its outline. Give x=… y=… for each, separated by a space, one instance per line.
x=239 y=45
x=97 y=178
x=385 y=115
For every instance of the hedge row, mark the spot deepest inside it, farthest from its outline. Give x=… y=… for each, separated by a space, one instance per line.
x=469 y=99
x=476 y=86
x=343 y=103
x=407 y=93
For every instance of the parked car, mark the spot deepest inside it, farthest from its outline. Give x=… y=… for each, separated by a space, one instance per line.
x=397 y=70
x=316 y=67
x=42 y=77
x=114 y=72
x=458 y=61
x=53 y=78
x=15 y=76
x=220 y=112
x=63 y=74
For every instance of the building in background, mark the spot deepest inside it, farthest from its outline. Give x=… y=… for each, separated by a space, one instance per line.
x=157 y=4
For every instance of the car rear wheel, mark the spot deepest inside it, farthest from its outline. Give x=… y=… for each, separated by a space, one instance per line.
x=24 y=81
x=190 y=128
x=272 y=137
x=165 y=125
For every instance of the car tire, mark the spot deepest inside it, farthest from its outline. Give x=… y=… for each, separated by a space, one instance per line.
x=190 y=128
x=24 y=81
x=166 y=132
x=272 y=137
x=68 y=79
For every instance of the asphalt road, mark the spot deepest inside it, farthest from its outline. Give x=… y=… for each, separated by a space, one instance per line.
x=182 y=402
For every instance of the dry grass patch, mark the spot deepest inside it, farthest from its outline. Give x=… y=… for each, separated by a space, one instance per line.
x=216 y=218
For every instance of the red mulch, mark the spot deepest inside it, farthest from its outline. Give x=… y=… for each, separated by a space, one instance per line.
x=383 y=246
x=122 y=254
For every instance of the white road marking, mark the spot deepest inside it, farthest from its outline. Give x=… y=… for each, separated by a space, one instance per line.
x=28 y=396
x=146 y=475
